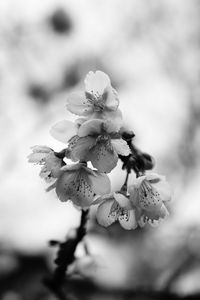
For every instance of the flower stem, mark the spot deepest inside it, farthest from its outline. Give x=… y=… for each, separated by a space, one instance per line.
x=65 y=256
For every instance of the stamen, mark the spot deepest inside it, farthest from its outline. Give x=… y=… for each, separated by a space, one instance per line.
x=96 y=100
x=124 y=214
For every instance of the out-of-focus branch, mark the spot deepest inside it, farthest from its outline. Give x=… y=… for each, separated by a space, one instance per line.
x=65 y=256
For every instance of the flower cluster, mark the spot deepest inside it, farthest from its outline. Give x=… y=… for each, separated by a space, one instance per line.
x=98 y=136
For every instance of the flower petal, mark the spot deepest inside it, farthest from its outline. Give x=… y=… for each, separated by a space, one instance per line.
x=111 y=98
x=110 y=126
x=100 y=183
x=128 y=220
x=90 y=127
x=103 y=158
x=164 y=190
x=104 y=216
x=81 y=148
x=96 y=82
x=133 y=191
x=157 y=213
x=79 y=105
x=36 y=158
x=122 y=200
x=41 y=149
x=75 y=186
x=121 y=147
x=63 y=131
x=38 y=154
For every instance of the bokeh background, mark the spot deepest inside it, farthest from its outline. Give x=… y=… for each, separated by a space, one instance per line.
x=151 y=51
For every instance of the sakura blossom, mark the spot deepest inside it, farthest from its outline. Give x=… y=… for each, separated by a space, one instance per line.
x=99 y=142
x=99 y=100
x=116 y=207
x=51 y=164
x=149 y=195
x=80 y=184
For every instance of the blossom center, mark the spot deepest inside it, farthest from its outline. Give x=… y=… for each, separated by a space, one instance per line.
x=97 y=101
x=118 y=212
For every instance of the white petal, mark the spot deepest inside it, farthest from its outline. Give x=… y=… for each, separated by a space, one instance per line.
x=75 y=186
x=164 y=212
x=72 y=167
x=63 y=131
x=81 y=148
x=111 y=97
x=161 y=185
x=164 y=190
x=100 y=183
x=138 y=181
x=149 y=197
x=133 y=191
x=142 y=221
x=96 y=82
x=111 y=126
x=115 y=117
x=79 y=105
x=36 y=158
x=41 y=149
x=102 y=158
x=128 y=221
x=121 y=147
x=100 y=199
x=45 y=173
x=80 y=121
x=39 y=154
x=104 y=217
x=90 y=127
x=154 y=176
x=122 y=200
x=157 y=213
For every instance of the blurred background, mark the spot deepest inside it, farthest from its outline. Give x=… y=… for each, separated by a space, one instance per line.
x=151 y=51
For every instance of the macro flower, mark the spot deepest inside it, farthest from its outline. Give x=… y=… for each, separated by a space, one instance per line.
x=116 y=207
x=149 y=194
x=80 y=184
x=99 y=100
x=98 y=141
x=45 y=156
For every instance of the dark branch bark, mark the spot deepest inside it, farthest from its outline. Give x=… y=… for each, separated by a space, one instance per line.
x=66 y=256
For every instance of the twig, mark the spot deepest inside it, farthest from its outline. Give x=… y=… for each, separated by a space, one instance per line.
x=65 y=256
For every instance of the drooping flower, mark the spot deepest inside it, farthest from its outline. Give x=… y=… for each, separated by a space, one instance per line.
x=45 y=156
x=99 y=100
x=149 y=195
x=116 y=207
x=80 y=184
x=98 y=141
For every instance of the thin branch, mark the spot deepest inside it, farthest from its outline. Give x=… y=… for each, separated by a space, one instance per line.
x=66 y=256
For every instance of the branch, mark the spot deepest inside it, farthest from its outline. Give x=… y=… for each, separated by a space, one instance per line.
x=65 y=256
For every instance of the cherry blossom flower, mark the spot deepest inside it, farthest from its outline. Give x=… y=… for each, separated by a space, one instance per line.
x=98 y=141
x=45 y=156
x=99 y=100
x=80 y=184
x=116 y=207
x=149 y=195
